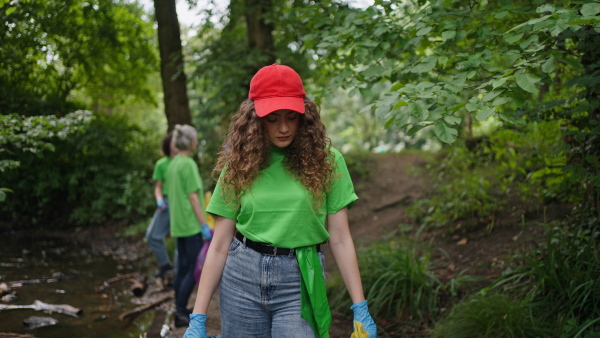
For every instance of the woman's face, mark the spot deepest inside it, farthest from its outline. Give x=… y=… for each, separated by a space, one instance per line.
x=281 y=127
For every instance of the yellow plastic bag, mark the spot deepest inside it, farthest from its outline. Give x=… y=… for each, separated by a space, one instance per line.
x=359 y=331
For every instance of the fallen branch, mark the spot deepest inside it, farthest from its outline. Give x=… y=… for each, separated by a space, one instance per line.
x=138 y=310
x=113 y=280
x=15 y=335
x=39 y=305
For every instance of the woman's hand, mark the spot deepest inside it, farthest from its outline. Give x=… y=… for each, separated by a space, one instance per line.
x=361 y=314
x=197 y=328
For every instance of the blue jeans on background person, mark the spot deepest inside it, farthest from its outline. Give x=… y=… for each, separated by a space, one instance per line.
x=155 y=234
x=188 y=249
x=259 y=295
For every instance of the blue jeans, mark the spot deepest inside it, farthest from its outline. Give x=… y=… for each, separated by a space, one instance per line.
x=155 y=234
x=259 y=295
x=188 y=249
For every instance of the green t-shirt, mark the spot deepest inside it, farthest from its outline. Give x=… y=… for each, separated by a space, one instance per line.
x=278 y=209
x=160 y=172
x=184 y=179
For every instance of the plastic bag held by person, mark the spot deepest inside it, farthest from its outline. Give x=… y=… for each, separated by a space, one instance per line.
x=201 y=259
x=359 y=331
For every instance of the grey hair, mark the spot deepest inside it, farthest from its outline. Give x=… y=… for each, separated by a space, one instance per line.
x=183 y=135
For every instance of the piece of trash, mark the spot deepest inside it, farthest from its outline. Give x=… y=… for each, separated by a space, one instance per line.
x=35 y=322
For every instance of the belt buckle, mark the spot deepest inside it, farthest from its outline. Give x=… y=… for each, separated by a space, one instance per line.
x=273 y=253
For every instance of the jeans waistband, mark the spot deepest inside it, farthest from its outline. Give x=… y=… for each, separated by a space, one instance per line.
x=267 y=249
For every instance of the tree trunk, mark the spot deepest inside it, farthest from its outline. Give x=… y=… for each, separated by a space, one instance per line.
x=177 y=108
x=260 y=30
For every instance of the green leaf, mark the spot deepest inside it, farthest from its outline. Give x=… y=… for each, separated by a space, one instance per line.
x=549 y=66
x=500 y=15
x=499 y=82
x=424 y=30
x=511 y=119
x=417 y=111
x=2 y=196
x=397 y=86
x=445 y=133
x=527 y=82
x=412 y=131
x=389 y=122
x=373 y=71
x=513 y=38
x=448 y=35
x=590 y=9
x=556 y=27
x=500 y=101
x=10 y=10
x=484 y=114
x=400 y=104
x=545 y=8
x=491 y=95
x=458 y=106
x=452 y=119
x=426 y=65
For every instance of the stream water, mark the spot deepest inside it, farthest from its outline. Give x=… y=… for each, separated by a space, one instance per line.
x=79 y=270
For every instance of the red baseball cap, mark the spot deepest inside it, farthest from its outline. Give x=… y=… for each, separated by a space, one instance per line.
x=276 y=87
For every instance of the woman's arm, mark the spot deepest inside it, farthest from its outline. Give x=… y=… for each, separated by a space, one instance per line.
x=342 y=248
x=215 y=262
x=197 y=208
x=158 y=195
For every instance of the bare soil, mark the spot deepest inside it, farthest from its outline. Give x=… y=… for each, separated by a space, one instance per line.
x=479 y=247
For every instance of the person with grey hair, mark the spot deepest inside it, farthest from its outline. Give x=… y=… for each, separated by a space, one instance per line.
x=187 y=216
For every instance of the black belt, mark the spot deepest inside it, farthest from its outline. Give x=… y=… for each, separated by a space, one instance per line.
x=267 y=249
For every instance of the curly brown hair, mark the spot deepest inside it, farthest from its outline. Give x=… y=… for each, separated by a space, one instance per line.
x=246 y=149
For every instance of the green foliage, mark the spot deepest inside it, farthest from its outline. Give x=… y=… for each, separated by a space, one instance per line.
x=100 y=175
x=59 y=56
x=525 y=163
x=491 y=315
x=560 y=278
x=33 y=134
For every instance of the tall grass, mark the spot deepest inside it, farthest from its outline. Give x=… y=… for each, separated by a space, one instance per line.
x=562 y=278
x=397 y=279
x=491 y=315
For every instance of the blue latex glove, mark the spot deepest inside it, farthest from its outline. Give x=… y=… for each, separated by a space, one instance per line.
x=197 y=328
x=206 y=232
x=161 y=204
x=361 y=314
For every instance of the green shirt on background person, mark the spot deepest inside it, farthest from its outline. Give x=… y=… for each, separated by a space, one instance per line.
x=184 y=178
x=160 y=173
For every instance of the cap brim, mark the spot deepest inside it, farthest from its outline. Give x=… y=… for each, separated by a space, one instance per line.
x=266 y=106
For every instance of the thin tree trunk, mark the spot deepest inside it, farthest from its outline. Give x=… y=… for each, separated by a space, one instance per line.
x=260 y=30
x=177 y=107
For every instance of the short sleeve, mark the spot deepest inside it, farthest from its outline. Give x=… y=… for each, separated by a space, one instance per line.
x=159 y=173
x=218 y=205
x=192 y=182
x=342 y=192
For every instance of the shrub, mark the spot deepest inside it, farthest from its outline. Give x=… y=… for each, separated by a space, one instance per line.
x=100 y=175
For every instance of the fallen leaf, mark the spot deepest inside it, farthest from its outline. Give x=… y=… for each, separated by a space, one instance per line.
x=462 y=241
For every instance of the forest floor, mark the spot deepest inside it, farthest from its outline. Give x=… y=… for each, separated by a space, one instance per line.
x=477 y=247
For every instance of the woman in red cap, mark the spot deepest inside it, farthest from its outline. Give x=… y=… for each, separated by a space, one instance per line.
x=283 y=192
